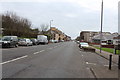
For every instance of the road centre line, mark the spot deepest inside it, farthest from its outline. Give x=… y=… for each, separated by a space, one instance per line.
x=111 y=65
x=42 y=51
x=14 y=60
x=50 y=48
x=39 y=52
x=36 y=53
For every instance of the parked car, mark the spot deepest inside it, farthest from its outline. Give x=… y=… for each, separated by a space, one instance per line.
x=0 y=42
x=9 y=41
x=61 y=40
x=25 y=42
x=78 y=42
x=83 y=44
x=42 y=39
x=34 y=41
x=56 y=41
x=52 y=41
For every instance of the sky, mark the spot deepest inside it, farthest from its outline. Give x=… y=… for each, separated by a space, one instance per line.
x=69 y=16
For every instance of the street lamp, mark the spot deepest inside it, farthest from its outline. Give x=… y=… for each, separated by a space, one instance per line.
x=50 y=27
x=50 y=23
x=101 y=27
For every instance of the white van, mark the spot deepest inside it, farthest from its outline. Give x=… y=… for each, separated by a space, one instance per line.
x=42 y=39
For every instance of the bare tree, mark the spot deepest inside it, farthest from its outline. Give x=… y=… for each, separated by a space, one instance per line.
x=44 y=27
x=16 y=25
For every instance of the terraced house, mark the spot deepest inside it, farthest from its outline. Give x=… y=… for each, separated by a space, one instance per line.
x=56 y=34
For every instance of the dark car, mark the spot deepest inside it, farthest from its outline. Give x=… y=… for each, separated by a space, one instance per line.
x=0 y=42
x=9 y=41
x=35 y=41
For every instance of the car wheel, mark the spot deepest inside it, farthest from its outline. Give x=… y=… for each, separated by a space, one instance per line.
x=9 y=46
x=27 y=45
x=16 y=45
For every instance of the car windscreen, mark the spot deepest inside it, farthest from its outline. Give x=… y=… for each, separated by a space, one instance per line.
x=6 y=38
x=22 y=40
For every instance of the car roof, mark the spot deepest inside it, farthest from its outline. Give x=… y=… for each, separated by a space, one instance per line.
x=83 y=43
x=9 y=36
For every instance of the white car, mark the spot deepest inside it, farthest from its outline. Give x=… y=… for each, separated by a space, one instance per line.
x=83 y=44
x=52 y=41
x=56 y=41
x=42 y=39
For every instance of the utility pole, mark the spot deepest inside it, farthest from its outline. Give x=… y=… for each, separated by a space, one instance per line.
x=50 y=28
x=101 y=27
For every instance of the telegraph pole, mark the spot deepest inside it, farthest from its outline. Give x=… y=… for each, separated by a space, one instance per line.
x=101 y=27
x=50 y=28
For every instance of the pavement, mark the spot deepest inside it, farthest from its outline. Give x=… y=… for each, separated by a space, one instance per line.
x=107 y=55
x=57 y=60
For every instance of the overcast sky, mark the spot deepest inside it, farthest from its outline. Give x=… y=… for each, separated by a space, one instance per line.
x=70 y=16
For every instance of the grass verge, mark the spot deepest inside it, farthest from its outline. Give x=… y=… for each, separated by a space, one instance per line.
x=110 y=50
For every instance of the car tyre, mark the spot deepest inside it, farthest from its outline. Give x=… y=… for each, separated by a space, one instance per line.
x=16 y=45
x=27 y=45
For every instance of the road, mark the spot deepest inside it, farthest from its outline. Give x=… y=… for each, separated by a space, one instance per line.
x=57 y=60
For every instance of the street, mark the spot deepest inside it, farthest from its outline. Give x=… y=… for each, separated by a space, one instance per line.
x=57 y=60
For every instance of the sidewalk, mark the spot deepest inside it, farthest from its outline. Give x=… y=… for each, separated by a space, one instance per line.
x=102 y=72
x=106 y=55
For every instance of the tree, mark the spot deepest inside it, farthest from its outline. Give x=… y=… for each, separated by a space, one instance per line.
x=44 y=27
x=17 y=26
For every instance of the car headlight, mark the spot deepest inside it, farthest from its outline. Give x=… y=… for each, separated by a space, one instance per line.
x=6 y=42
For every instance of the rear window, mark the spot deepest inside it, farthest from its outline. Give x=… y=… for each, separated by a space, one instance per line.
x=22 y=40
x=84 y=43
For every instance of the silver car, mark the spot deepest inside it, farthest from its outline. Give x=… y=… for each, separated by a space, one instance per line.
x=25 y=42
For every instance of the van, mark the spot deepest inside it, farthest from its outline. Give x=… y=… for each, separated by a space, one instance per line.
x=9 y=41
x=42 y=39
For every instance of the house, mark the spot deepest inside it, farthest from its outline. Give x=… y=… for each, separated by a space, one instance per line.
x=56 y=34
x=87 y=35
x=116 y=42
x=106 y=38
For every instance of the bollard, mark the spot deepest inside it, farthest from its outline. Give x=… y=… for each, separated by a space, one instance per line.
x=119 y=62
x=114 y=51
x=110 y=62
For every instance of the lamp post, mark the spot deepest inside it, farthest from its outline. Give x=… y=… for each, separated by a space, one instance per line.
x=101 y=27
x=50 y=28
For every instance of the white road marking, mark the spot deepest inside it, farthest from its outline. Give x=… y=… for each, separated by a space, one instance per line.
x=42 y=51
x=14 y=60
x=36 y=53
x=34 y=46
x=4 y=49
x=55 y=46
x=90 y=63
x=50 y=48
x=106 y=65
x=111 y=65
x=39 y=52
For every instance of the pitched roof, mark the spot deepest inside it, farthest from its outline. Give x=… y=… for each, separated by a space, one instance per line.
x=118 y=37
x=104 y=37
